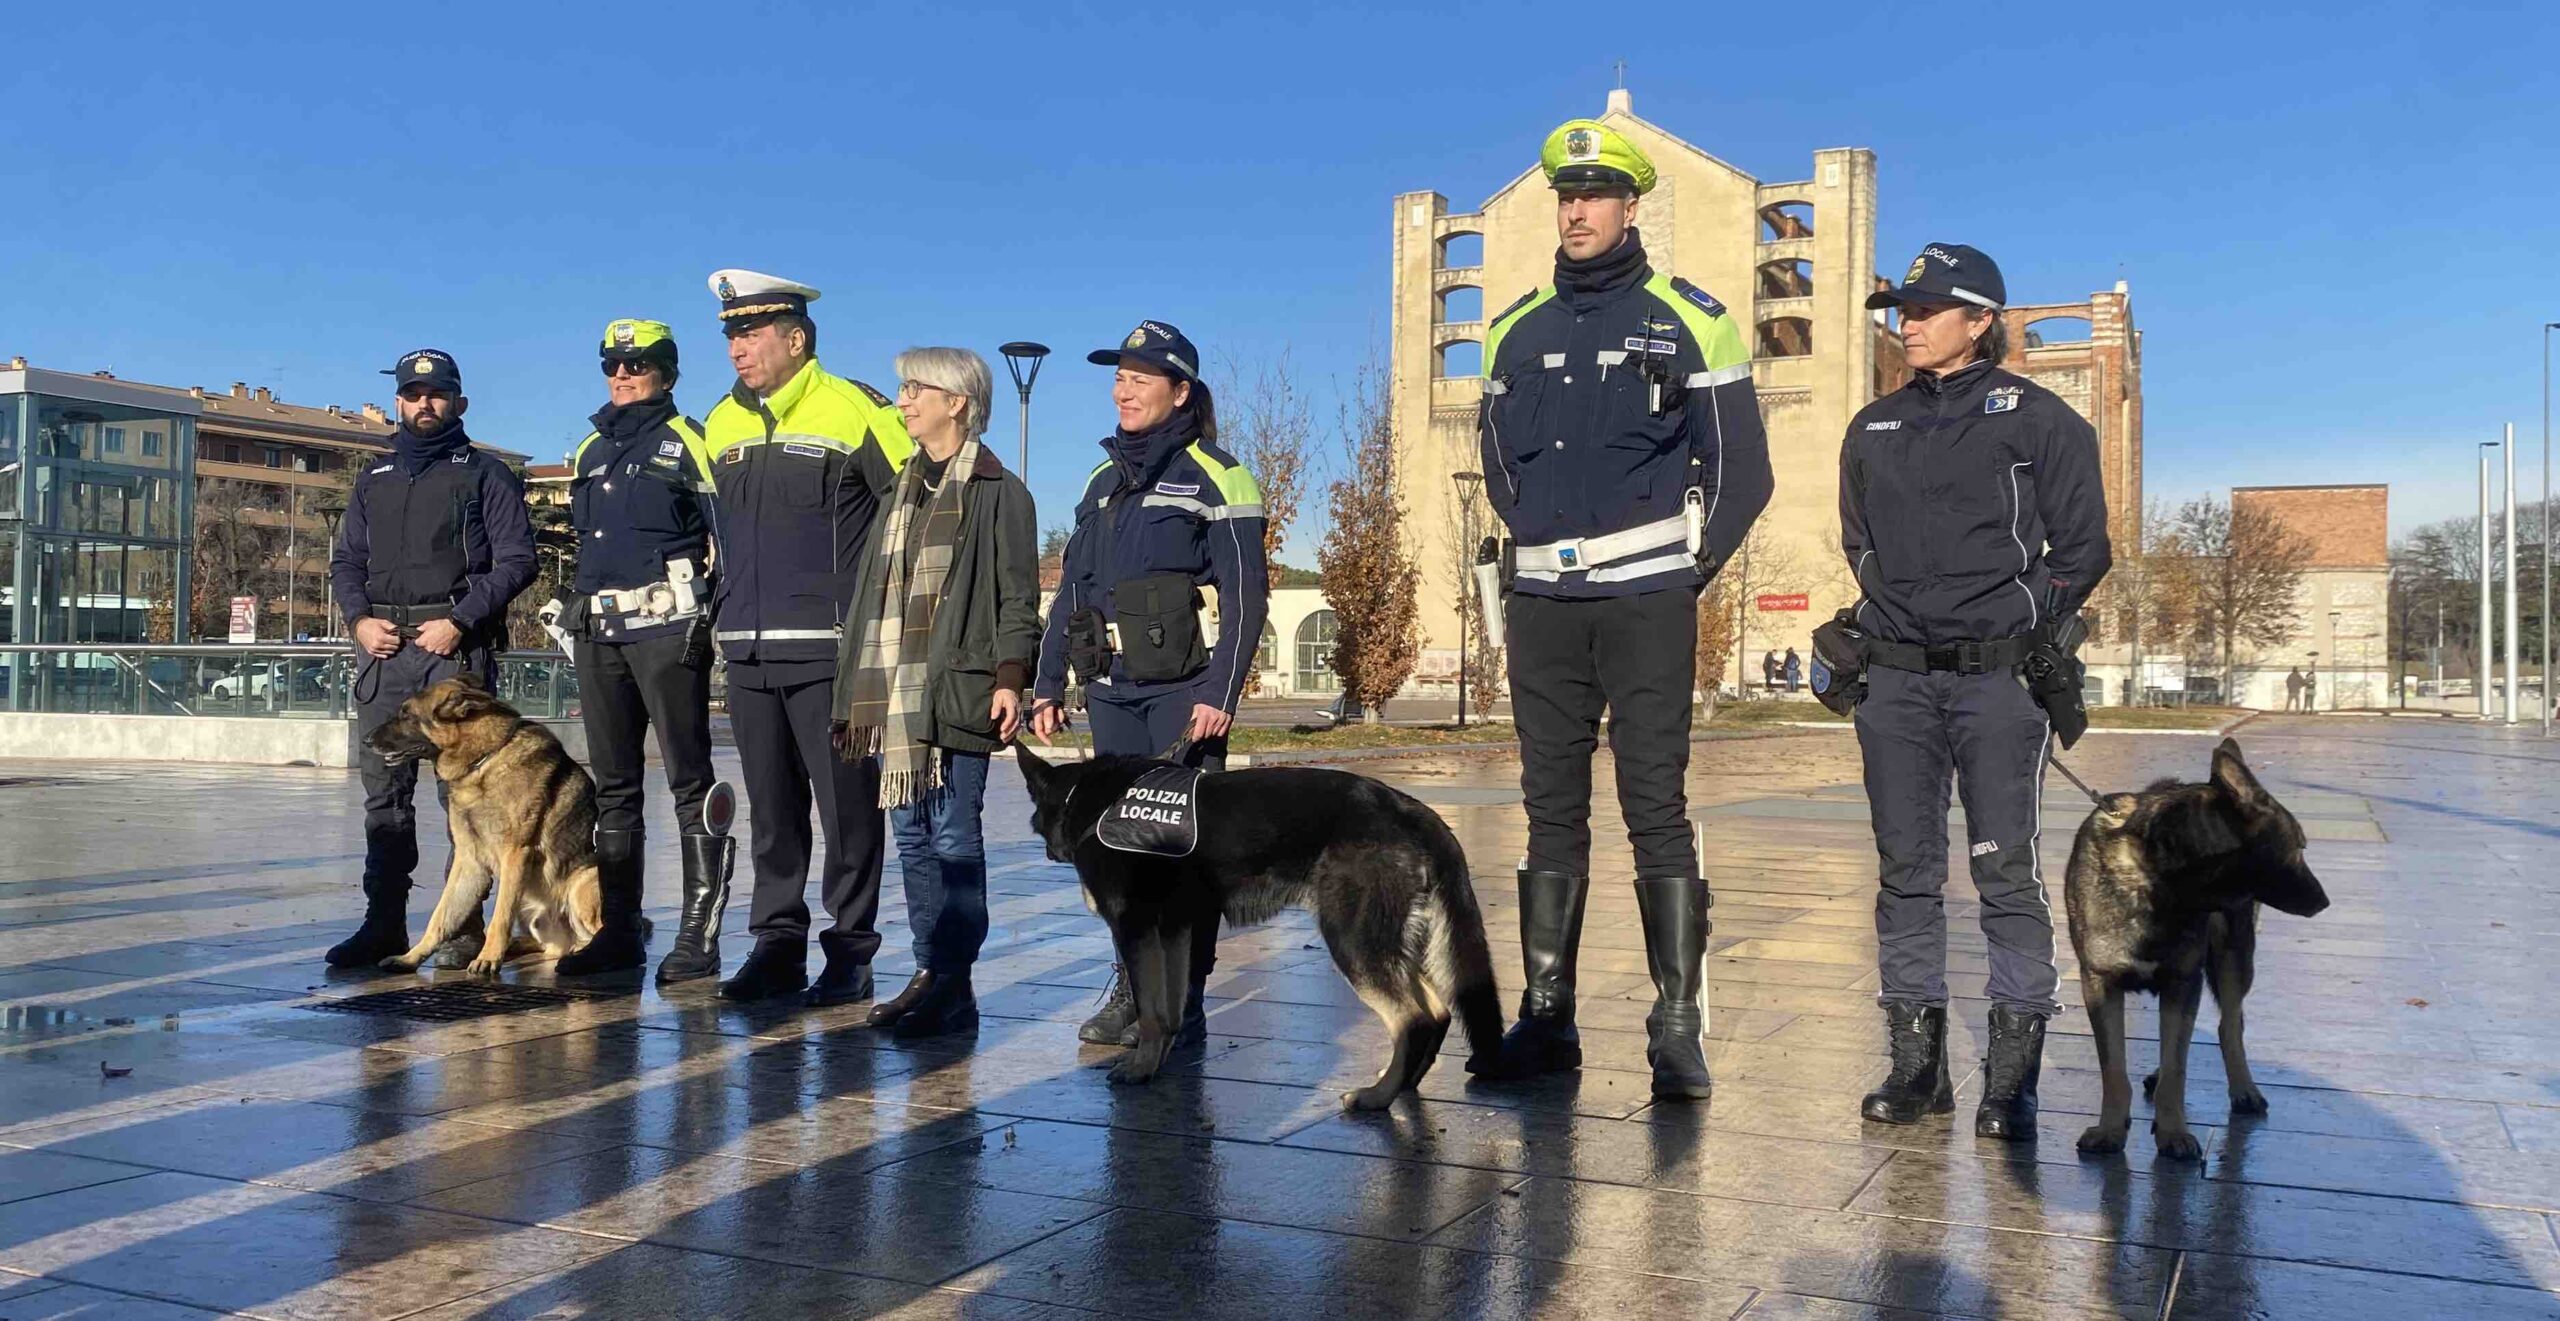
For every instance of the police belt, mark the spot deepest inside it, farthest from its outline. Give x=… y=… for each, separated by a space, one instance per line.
x=1949 y=657
x=653 y=604
x=410 y=616
x=1603 y=557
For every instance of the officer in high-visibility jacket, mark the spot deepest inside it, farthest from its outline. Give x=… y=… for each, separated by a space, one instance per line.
x=639 y=623
x=1622 y=445
x=801 y=459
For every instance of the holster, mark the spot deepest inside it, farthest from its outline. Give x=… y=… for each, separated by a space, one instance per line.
x=1493 y=574
x=2054 y=676
x=1088 y=646
x=1159 y=626
x=1840 y=663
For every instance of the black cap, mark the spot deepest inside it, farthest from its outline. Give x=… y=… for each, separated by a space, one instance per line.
x=432 y=368
x=1157 y=344
x=1947 y=273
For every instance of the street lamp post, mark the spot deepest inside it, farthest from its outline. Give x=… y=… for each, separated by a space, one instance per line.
x=2515 y=680
x=1022 y=358
x=2547 y=328
x=2337 y=657
x=1468 y=483
x=330 y=512
x=2481 y=683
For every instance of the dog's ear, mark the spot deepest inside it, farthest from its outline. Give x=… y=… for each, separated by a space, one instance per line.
x=471 y=681
x=2231 y=774
x=1035 y=772
x=460 y=699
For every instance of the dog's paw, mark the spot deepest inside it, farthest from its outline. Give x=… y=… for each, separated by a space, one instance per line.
x=1129 y=1073
x=1375 y=1096
x=2248 y=1100
x=399 y=963
x=2178 y=1143
x=485 y=967
x=2150 y=1083
x=2101 y=1140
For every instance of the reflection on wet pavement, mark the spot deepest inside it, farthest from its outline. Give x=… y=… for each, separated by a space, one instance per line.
x=179 y=1136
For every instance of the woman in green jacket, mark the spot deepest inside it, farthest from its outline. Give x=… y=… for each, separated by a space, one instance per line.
x=937 y=649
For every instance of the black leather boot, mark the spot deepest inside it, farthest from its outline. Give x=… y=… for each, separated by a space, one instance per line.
x=1675 y=947
x=1116 y=1022
x=389 y=858
x=707 y=860
x=2009 y=1073
x=775 y=968
x=623 y=941
x=1916 y=1034
x=1544 y=1039
x=1193 y=1030
x=842 y=981
x=889 y=1011
x=948 y=1006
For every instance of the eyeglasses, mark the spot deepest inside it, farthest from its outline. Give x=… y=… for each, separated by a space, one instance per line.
x=910 y=389
x=626 y=367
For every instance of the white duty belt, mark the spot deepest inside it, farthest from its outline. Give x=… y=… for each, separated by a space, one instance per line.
x=1620 y=556
x=655 y=603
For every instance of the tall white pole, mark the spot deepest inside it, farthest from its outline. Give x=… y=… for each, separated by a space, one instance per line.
x=2544 y=700
x=2515 y=670
x=2480 y=684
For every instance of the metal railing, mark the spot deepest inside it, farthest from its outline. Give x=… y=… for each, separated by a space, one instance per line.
x=279 y=680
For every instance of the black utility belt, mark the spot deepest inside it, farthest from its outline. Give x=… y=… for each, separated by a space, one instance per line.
x=410 y=616
x=1950 y=657
x=1154 y=630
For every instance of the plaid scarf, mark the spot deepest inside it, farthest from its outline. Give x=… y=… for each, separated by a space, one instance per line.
x=889 y=713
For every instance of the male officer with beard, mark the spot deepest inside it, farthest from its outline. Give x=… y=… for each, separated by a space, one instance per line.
x=435 y=543
x=1622 y=445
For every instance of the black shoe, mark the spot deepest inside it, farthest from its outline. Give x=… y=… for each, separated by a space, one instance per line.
x=385 y=933
x=1116 y=1022
x=777 y=967
x=2009 y=1073
x=1675 y=947
x=390 y=856
x=462 y=946
x=623 y=941
x=841 y=982
x=889 y=1011
x=1544 y=1039
x=1917 y=1036
x=947 y=1007
x=707 y=859
x=1193 y=1031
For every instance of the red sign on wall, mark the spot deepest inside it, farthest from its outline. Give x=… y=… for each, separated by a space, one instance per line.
x=1793 y=601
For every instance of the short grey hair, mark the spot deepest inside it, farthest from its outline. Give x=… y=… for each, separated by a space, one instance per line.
x=959 y=371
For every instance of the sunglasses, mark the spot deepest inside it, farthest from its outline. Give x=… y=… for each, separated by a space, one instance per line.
x=626 y=367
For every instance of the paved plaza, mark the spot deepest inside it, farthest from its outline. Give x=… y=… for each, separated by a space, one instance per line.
x=181 y=1131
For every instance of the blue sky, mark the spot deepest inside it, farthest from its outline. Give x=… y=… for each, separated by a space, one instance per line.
x=2338 y=221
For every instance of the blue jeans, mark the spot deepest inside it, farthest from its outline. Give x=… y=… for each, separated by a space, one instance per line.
x=942 y=857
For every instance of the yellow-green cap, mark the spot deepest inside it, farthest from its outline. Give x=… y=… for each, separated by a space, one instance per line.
x=1585 y=153
x=633 y=337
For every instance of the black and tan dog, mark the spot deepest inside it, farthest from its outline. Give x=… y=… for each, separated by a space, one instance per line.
x=1386 y=880
x=2164 y=889
x=521 y=811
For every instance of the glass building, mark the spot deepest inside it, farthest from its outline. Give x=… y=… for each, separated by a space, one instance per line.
x=97 y=503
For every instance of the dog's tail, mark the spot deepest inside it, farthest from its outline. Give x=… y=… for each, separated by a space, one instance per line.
x=1460 y=964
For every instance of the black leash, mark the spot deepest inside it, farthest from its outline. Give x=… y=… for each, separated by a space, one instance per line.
x=2056 y=763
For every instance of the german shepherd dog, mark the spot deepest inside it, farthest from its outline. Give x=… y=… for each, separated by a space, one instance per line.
x=2163 y=891
x=1385 y=877
x=520 y=810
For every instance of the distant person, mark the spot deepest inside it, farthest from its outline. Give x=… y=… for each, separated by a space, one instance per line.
x=436 y=541
x=938 y=646
x=1793 y=668
x=1769 y=671
x=2310 y=692
x=2293 y=689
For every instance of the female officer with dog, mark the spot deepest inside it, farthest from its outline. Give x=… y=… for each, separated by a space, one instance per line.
x=1973 y=517
x=1165 y=513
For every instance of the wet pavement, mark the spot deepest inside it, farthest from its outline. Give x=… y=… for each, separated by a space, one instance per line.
x=180 y=1133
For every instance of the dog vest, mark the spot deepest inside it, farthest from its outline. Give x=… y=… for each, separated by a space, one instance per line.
x=1160 y=814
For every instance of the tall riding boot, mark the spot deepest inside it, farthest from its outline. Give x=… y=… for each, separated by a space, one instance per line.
x=2008 y=1109
x=1675 y=947
x=389 y=858
x=1544 y=1040
x=707 y=860
x=623 y=941
x=1919 y=1084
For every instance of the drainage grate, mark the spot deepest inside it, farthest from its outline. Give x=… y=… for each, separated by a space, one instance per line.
x=453 y=1002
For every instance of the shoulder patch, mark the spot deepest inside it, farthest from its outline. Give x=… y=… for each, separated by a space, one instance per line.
x=1516 y=304
x=868 y=393
x=1701 y=297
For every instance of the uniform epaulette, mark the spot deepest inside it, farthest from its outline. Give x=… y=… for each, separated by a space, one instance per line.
x=1235 y=484
x=1518 y=303
x=1699 y=296
x=868 y=393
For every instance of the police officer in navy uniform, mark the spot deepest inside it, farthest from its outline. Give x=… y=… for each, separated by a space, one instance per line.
x=436 y=541
x=802 y=459
x=1972 y=513
x=1165 y=513
x=640 y=500
x=1622 y=445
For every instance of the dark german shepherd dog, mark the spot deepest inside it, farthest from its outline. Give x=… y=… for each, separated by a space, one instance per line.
x=2164 y=889
x=1385 y=877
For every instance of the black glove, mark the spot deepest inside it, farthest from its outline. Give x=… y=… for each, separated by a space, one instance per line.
x=2054 y=675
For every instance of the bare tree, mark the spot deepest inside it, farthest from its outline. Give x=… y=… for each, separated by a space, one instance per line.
x=2148 y=594
x=2243 y=570
x=1765 y=565
x=1265 y=419
x=1463 y=522
x=1719 y=625
x=237 y=548
x=1370 y=579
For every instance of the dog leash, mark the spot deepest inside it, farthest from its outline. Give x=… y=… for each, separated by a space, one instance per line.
x=2056 y=763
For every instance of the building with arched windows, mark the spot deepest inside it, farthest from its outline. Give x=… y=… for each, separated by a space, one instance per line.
x=1794 y=261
